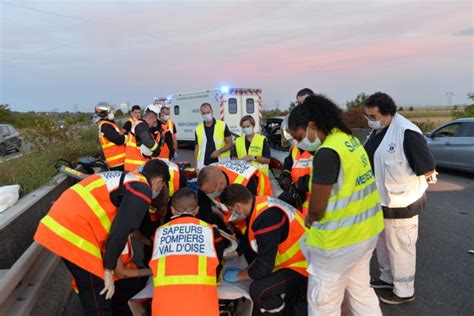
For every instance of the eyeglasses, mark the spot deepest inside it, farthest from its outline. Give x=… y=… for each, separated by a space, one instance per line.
x=370 y=118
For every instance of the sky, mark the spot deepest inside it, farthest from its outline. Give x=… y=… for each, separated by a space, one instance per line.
x=68 y=55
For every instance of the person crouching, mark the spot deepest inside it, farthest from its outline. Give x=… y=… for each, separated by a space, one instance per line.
x=185 y=262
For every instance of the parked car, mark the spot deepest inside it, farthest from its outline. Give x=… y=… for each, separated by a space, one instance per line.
x=9 y=139
x=279 y=147
x=452 y=144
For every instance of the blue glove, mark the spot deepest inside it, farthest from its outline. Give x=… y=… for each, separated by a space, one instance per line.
x=231 y=274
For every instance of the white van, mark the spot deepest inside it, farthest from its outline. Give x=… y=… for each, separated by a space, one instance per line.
x=228 y=104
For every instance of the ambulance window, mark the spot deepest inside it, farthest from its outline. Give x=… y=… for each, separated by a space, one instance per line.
x=232 y=105
x=176 y=110
x=250 y=105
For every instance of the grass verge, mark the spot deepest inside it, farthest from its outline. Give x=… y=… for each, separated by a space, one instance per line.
x=35 y=169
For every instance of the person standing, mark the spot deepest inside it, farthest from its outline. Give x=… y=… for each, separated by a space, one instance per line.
x=303 y=94
x=141 y=144
x=169 y=132
x=213 y=139
x=252 y=147
x=344 y=216
x=278 y=272
x=135 y=115
x=402 y=163
x=111 y=139
x=89 y=224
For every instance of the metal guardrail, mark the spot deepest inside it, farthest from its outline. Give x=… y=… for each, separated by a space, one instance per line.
x=20 y=286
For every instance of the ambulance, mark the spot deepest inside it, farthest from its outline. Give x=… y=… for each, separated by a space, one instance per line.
x=228 y=104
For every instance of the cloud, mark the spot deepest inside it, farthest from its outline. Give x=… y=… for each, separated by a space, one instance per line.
x=465 y=32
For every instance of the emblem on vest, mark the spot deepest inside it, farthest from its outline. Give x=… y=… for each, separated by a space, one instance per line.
x=240 y=167
x=391 y=148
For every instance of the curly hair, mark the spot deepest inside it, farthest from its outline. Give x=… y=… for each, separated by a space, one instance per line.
x=320 y=110
x=383 y=101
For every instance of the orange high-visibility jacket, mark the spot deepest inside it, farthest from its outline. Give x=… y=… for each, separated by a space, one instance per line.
x=184 y=266
x=302 y=166
x=289 y=255
x=240 y=172
x=114 y=154
x=133 y=155
x=77 y=225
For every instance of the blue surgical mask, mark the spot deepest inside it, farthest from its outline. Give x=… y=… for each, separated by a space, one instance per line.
x=248 y=130
x=207 y=117
x=306 y=144
x=166 y=117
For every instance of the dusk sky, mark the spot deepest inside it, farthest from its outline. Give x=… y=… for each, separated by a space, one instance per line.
x=55 y=54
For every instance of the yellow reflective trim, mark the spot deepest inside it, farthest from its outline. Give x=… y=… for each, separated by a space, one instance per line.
x=171 y=182
x=135 y=162
x=85 y=194
x=71 y=237
x=239 y=180
x=116 y=157
x=261 y=181
x=293 y=250
x=261 y=205
x=108 y=145
x=154 y=147
x=201 y=279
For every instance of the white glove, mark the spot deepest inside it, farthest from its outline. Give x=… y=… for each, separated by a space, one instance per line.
x=109 y=287
x=146 y=152
x=175 y=156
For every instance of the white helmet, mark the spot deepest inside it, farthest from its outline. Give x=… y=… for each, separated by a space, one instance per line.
x=155 y=108
x=103 y=110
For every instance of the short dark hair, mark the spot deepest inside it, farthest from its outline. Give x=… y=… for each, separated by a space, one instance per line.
x=247 y=118
x=320 y=110
x=185 y=200
x=205 y=104
x=383 y=101
x=135 y=107
x=156 y=168
x=235 y=193
x=304 y=91
x=204 y=175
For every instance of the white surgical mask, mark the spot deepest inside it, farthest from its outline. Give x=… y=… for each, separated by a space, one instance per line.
x=248 y=130
x=111 y=116
x=375 y=124
x=166 y=117
x=306 y=144
x=214 y=194
x=207 y=117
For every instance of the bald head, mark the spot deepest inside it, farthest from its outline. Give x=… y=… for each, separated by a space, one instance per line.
x=211 y=179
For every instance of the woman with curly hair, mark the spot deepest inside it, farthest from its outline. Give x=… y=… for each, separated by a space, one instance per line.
x=344 y=216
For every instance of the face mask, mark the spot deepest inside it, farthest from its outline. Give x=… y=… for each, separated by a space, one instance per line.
x=207 y=117
x=248 y=130
x=214 y=195
x=111 y=116
x=154 y=194
x=375 y=124
x=166 y=117
x=235 y=216
x=306 y=144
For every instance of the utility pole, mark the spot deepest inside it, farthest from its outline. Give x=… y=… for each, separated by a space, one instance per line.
x=449 y=97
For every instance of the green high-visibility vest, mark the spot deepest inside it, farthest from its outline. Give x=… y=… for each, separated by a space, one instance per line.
x=255 y=149
x=353 y=213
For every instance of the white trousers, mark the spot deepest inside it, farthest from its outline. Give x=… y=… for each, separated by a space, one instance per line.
x=346 y=272
x=396 y=254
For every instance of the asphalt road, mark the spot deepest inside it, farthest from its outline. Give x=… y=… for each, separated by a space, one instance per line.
x=445 y=269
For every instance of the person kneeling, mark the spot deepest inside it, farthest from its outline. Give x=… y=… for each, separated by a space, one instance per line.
x=186 y=261
x=279 y=269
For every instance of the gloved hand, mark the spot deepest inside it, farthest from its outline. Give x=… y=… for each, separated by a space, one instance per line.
x=145 y=151
x=231 y=274
x=285 y=180
x=302 y=186
x=109 y=287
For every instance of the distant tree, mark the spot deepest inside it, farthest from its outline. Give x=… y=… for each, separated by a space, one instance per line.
x=358 y=101
x=468 y=110
x=6 y=115
x=410 y=108
x=400 y=109
x=119 y=113
x=292 y=106
x=354 y=117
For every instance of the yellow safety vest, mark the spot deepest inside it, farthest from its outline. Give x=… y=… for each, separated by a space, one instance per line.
x=219 y=140
x=255 y=149
x=353 y=213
